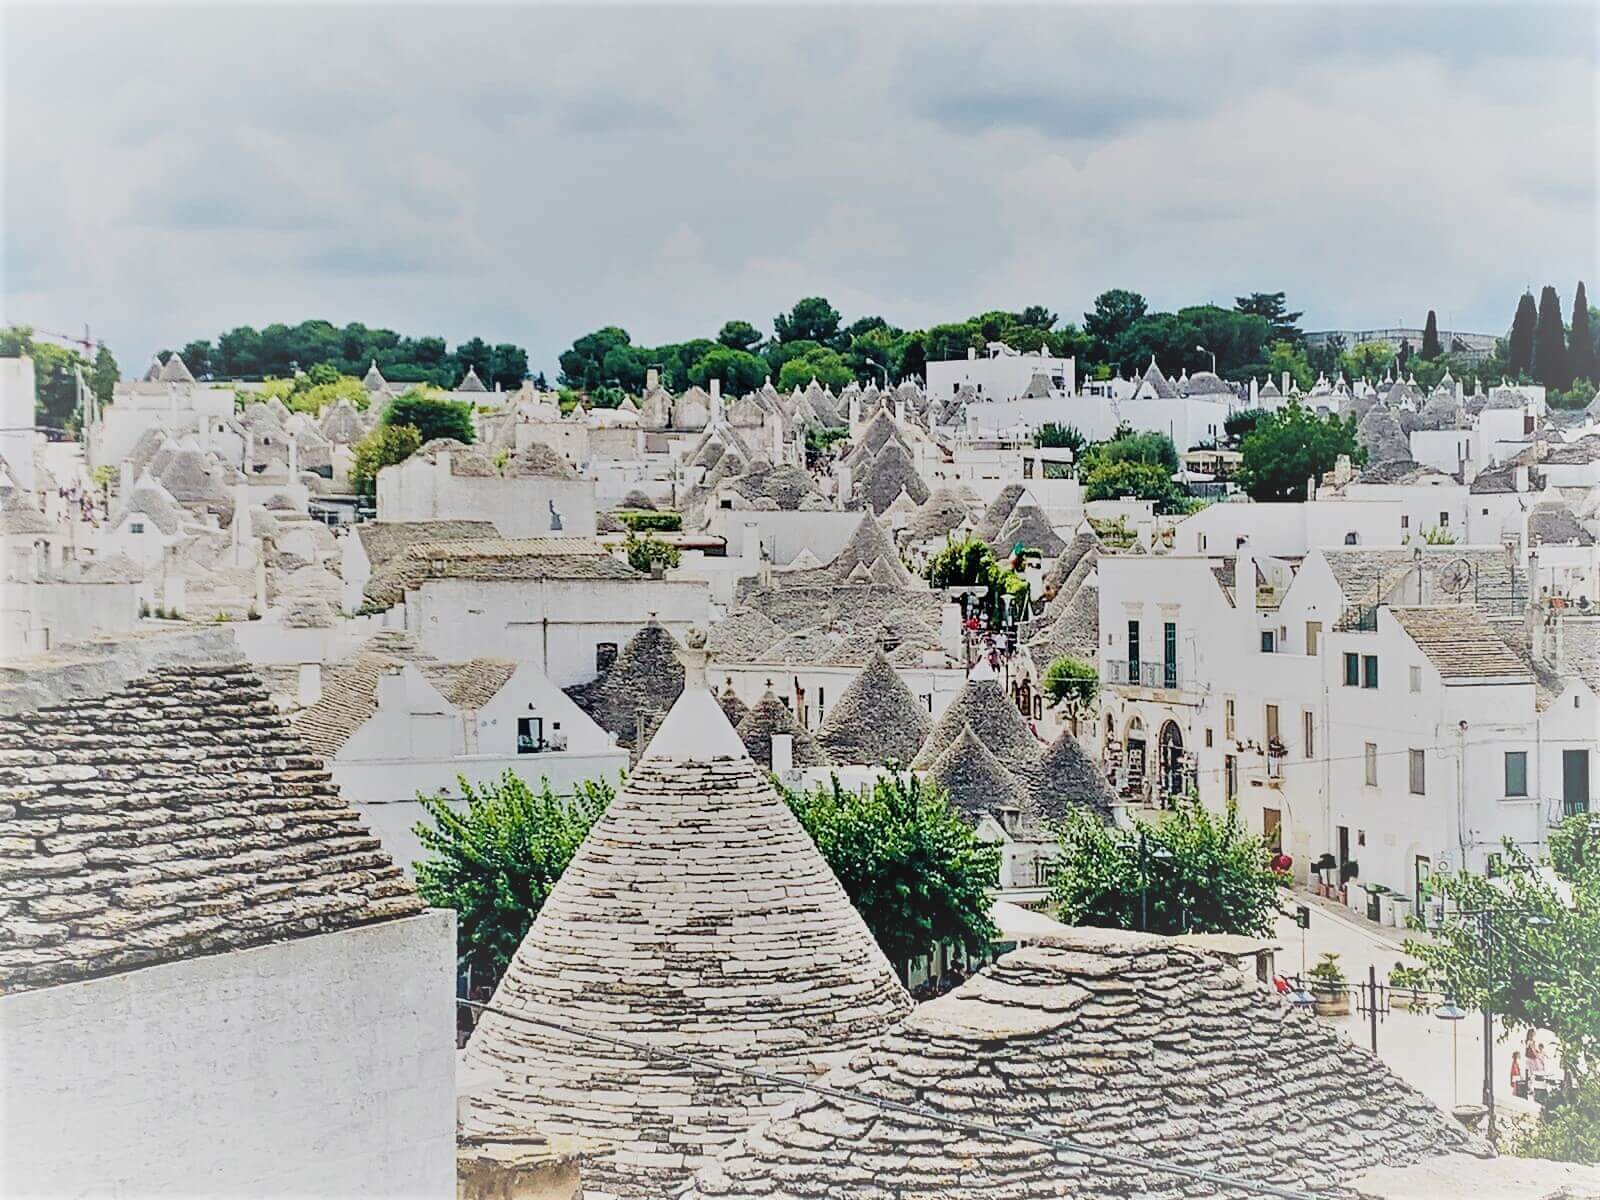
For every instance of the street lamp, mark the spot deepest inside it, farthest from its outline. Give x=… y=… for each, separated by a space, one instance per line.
x=879 y=367
x=1203 y=350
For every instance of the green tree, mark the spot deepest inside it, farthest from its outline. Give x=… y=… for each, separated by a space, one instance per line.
x=1291 y=446
x=583 y=366
x=1285 y=356
x=1519 y=344
x=315 y=397
x=384 y=446
x=911 y=865
x=968 y=562
x=1366 y=360
x=495 y=863
x=822 y=364
x=1544 y=941
x=1064 y=437
x=1581 y=350
x=1152 y=449
x=106 y=374
x=1237 y=426
x=1038 y=316
x=431 y=416
x=739 y=335
x=1073 y=686
x=646 y=553
x=1282 y=324
x=739 y=370
x=1198 y=872
x=1430 y=337
x=812 y=320
x=474 y=354
x=1114 y=313
x=944 y=342
x=508 y=367
x=1550 y=343
x=1103 y=480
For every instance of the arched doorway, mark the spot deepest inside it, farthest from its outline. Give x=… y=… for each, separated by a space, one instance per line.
x=1172 y=766
x=1133 y=755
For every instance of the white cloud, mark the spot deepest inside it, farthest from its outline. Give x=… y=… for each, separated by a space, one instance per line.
x=530 y=174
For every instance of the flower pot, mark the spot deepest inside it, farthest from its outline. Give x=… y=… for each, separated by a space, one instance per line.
x=1329 y=1004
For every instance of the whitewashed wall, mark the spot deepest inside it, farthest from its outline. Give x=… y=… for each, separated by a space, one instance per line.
x=322 y=1066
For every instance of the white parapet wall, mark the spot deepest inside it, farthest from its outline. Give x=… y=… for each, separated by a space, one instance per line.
x=322 y=1066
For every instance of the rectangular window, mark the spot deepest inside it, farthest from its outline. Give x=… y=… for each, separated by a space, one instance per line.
x=1133 y=652
x=1419 y=773
x=819 y=702
x=1574 y=782
x=1352 y=670
x=1444 y=519
x=1272 y=723
x=1209 y=732
x=1268 y=641
x=1230 y=775
x=1405 y=521
x=1416 y=679
x=1369 y=670
x=1370 y=757
x=1516 y=772
x=530 y=735
x=1169 y=655
x=1309 y=730
x=1313 y=637
x=1227 y=720
x=135 y=526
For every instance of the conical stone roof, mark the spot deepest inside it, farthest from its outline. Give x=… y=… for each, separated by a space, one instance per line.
x=988 y=527
x=974 y=778
x=1069 y=779
x=1129 y=1042
x=175 y=371
x=1028 y=527
x=1067 y=561
x=646 y=677
x=876 y=720
x=983 y=705
x=889 y=474
x=771 y=716
x=732 y=707
x=697 y=915
x=868 y=543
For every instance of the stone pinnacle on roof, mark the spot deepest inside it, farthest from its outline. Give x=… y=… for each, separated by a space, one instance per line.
x=771 y=716
x=471 y=383
x=876 y=720
x=697 y=915
x=373 y=380
x=1128 y=1042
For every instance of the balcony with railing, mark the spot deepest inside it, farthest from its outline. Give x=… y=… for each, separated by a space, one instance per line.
x=1150 y=674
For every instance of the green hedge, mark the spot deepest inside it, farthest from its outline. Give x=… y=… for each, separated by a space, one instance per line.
x=642 y=520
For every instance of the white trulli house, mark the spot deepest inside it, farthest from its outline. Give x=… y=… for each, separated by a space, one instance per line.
x=697 y=916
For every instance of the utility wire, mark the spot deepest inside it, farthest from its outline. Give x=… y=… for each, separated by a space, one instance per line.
x=1058 y=1145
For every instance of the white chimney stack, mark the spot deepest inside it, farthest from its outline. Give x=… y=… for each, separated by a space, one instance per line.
x=716 y=392
x=652 y=379
x=782 y=754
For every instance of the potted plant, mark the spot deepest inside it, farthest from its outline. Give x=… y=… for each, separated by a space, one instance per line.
x=1408 y=988
x=1328 y=986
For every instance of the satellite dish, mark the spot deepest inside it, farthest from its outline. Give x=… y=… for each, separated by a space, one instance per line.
x=1456 y=577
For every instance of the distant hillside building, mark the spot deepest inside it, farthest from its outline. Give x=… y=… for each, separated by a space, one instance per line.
x=1477 y=346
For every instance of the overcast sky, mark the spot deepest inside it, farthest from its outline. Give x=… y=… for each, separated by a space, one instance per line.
x=529 y=174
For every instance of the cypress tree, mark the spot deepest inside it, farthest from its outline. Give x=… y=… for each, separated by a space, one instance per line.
x=1550 y=343
x=1430 y=338
x=1519 y=346
x=1580 y=353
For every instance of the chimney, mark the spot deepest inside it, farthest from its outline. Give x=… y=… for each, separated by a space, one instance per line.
x=782 y=754
x=716 y=394
x=950 y=636
x=125 y=480
x=652 y=379
x=1244 y=590
x=1255 y=392
x=855 y=411
x=392 y=690
x=1519 y=474
x=309 y=690
x=1286 y=382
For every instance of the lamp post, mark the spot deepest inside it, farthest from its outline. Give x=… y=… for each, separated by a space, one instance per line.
x=1453 y=1012
x=879 y=367
x=1203 y=350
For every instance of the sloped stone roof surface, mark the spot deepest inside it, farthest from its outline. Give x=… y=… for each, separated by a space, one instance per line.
x=881 y=481
x=1460 y=643
x=1028 y=527
x=988 y=527
x=492 y=560
x=697 y=915
x=983 y=705
x=646 y=677
x=770 y=716
x=1120 y=1040
x=941 y=514
x=1069 y=779
x=174 y=817
x=877 y=719
x=868 y=543
x=974 y=778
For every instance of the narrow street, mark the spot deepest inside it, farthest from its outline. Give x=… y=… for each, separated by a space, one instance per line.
x=1442 y=1059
